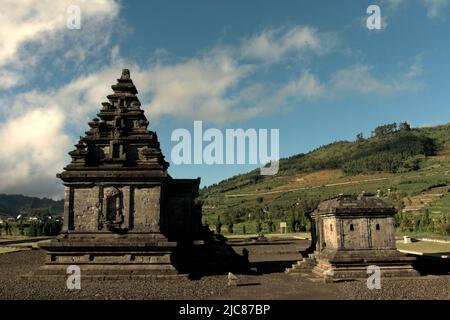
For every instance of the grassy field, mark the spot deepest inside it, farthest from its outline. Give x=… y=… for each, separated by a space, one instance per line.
x=12 y=237
x=301 y=235
x=9 y=249
x=32 y=244
x=421 y=235
x=425 y=247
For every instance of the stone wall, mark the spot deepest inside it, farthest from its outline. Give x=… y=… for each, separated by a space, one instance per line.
x=147 y=208
x=169 y=209
x=331 y=233
x=128 y=207
x=358 y=233
x=140 y=208
x=86 y=206
x=383 y=235
x=355 y=233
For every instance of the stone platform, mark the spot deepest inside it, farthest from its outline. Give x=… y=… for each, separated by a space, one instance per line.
x=342 y=265
x=110 y=256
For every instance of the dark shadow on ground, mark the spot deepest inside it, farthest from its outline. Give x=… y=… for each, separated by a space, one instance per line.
x=256 y=243
x=266 y=267
x=218 y=255
x=248 y=284
x=214 y=256
x=433 y=264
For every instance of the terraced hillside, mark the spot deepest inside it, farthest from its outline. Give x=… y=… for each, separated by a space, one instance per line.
x=425 y=199
x=409 y=168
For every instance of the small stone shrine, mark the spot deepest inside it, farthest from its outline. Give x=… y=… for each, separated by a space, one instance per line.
x=123 y=213
x=350 y=233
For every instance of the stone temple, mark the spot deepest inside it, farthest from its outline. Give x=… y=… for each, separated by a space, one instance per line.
x=350 y=233
x=123 y=213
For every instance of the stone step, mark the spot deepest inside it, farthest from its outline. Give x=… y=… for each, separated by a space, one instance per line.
x=297 y=270
x=304 y=265
x=305 y=262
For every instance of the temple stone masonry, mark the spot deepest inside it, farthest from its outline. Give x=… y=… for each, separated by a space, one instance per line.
x=123 y=213
x=350 y=233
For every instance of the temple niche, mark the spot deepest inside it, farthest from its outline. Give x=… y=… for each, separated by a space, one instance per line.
x=123 y=213
x=113 y=204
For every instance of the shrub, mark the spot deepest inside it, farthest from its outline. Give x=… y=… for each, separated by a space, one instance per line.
x=218 y=225
x=258 y=227
x=230 y=227
x=446 y=229
x=44 y=228
x=270 y=225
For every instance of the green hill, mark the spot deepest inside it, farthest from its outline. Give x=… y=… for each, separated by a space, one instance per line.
x=12 y=205
x=395 y=162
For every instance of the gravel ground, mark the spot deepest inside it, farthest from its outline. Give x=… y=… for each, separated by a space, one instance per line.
x=270 y=282
x=13 y=286
x=424 y=288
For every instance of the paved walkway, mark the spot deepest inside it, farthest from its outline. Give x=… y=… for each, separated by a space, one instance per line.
x=270 y=282
x=280 y=286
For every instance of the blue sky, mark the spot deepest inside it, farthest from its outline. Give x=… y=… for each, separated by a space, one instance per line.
x=308 y=68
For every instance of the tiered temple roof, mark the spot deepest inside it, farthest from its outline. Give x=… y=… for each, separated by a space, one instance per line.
x=118 y=140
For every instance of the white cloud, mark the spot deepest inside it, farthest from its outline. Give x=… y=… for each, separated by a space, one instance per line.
x=392 y=5
x=293 y=94
x=33 y=135
x=388 y=8
x=273 y=44
x=305 y=87
x=204 y=87
x=75 y=100
x=8 y=78
x=359 y=79
x=354 y=80
x=30 y=20
x=31 y=152
x=199 y=88
x=217 y=86
x=435 y=8
x=31 y=29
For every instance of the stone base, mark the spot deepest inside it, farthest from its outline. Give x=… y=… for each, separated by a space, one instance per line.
x=352 y=264
x=110 y=256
